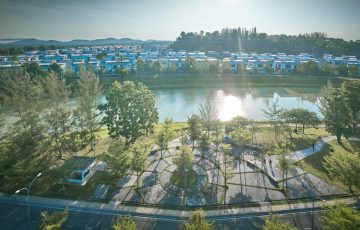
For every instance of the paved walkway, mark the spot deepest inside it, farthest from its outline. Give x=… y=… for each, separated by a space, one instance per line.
x=116 y=208
x=275 y=173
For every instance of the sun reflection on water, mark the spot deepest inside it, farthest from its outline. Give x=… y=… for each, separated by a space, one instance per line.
x=228 y=106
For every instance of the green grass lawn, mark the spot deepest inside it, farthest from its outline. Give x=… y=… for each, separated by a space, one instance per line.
x=314 y=163
x=266 y=137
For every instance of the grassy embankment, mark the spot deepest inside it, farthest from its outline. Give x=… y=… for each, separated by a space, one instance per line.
x=314 y=163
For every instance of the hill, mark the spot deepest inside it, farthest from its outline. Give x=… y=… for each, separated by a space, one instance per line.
x=249 y=40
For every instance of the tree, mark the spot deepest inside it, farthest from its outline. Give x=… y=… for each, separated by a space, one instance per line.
x=302 y=117
x=194 y=128
x=237 y=122
x=345 y=167
x=100 y=56
x=204 y=143
x=33 y=68
x=56 y=68
x=340 y=217
x=118 y=158
x=226 y=149
x=129 y=110
x=184 y=160
x=140 y=66
x=53 y=221
x=226 y=67
x=351 y=91
x=87 y=117
x=23 y=95
x=197 y=221
x=124 y=223
x=284 y=165
x=253 y=128
x=58 y=114
x=275 y=223
x=208 y=115
x=309 y=67
x=121 y=71
x=164 y=135
x=274 y=114
x=190 y=65
x=337 y=114
x=138 y=160
x=241 y=136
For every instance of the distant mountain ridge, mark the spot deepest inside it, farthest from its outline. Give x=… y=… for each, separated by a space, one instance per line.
x=75 y=42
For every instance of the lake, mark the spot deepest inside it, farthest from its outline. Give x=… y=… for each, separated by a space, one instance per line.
x=249 y=102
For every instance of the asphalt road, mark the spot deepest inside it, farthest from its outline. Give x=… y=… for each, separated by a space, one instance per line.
x=14 y=216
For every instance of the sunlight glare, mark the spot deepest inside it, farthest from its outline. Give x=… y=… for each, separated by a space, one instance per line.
x=228 y=106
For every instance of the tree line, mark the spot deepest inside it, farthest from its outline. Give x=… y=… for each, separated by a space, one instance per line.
x=250 y=40
x=51 y=123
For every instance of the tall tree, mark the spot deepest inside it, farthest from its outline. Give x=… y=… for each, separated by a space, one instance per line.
x=23 y=95
x=165 y=134
x=184 y=160
x=274 y=113
x=241 y=136
x=341 y=217
x=345 y=167
x=87 y=116
x=56 y=68
x=53 y=221
x=275 y=223
x=337 y=114
x=57 y=116
x=194 y=129
x=284 y=165
x=208 y=115
x=138 y=159
x=118 y=158
x=351 y=91
x=204 y=143
x=197 y=221
x=129 y=111
x=124 y=223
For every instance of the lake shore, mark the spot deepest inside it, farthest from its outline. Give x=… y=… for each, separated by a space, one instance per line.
x=224 y=80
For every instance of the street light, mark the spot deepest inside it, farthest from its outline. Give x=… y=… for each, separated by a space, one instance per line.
x=28 y=189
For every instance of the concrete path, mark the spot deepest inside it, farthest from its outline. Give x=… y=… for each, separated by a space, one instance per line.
x=273 y=170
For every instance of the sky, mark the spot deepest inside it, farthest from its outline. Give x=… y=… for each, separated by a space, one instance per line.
x=165 y=19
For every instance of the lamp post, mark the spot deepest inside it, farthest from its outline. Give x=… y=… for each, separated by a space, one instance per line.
x=28 y=189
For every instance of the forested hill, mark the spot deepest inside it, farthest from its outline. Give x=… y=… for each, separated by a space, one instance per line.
x=249 y=40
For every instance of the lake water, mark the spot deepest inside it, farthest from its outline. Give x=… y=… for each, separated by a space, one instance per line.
x=249 y=102
x=181 y=103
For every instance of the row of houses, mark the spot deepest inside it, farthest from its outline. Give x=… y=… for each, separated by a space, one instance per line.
x=108 y=59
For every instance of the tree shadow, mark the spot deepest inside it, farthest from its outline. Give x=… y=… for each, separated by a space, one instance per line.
x=240 y=198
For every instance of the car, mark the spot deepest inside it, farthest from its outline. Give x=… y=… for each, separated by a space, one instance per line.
x=227 y=139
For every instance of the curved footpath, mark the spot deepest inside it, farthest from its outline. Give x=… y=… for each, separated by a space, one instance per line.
x=272 y=169
x=116 y=208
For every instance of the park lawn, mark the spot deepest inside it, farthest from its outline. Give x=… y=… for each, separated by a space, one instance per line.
x=266 y=137
x=314 y=163
x=80 y=192
x=104 y=140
